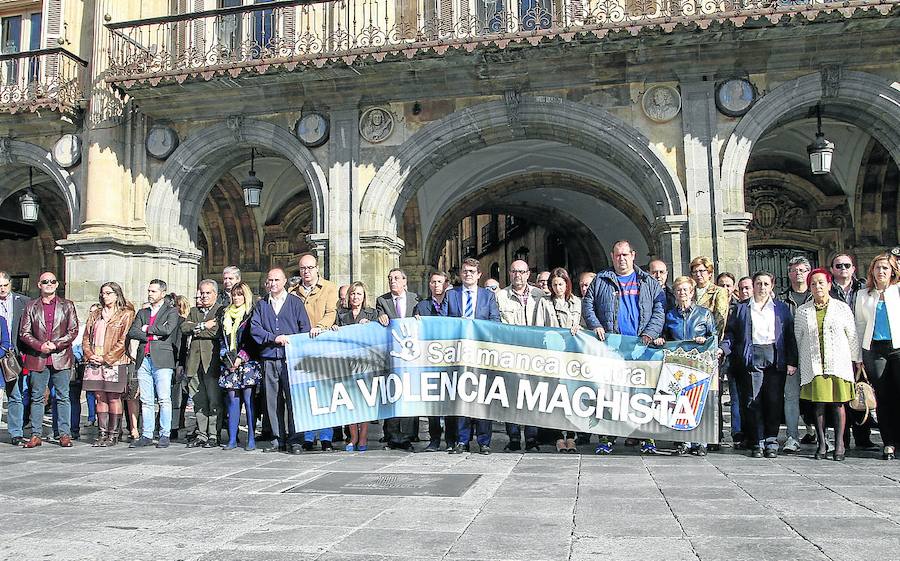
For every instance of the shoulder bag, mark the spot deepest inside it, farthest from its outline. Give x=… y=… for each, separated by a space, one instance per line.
x=864 y=400
x=10 y=365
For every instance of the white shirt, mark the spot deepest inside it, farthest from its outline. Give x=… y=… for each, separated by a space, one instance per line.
x=400 y=304
x=278 y=301
x=762 y=322
x=473 y=296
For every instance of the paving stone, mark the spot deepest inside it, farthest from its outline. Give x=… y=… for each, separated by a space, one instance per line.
x=616 y=525
x=735 y=526
x=591 y=548
x=756 y=549
x=825 y=527
x=404 y=543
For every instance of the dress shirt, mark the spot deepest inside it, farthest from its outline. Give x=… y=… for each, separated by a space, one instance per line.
x=278 y=301
x=400 y=304
x=762 y=322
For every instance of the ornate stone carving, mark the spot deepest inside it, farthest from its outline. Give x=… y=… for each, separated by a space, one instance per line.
x=831 y=80
x=376 y=125
x=661 y=103
x=235 y=123
x=6 y=155
x=512 y=98
x=774 y=211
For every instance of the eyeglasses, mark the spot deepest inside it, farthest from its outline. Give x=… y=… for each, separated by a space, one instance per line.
x=843 y=265
x=519 y=271
x=308 y=268
x=491 y=288
x=49 y=281
x=698 y=271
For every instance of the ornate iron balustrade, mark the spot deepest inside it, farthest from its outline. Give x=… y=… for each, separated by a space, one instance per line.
x=469 y=247
x=488 y=235
x=48 y=78
x=287 y=33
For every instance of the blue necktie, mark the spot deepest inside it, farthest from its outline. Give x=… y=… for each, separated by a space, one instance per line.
x=467 y=309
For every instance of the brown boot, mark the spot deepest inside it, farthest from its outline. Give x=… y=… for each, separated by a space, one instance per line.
x=103 y=423
x=33 y=443
x=113 y=431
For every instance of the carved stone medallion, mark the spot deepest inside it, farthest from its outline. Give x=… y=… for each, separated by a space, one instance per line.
x=312 y=129
x=735 y=97
x=161 y=142
x=376 y=125
x=661 y=103
x=67 y=150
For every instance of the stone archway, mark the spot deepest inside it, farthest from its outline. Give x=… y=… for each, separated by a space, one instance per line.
x=866 y=100
x=18 y=153
x=179 y=190
x=576 y=124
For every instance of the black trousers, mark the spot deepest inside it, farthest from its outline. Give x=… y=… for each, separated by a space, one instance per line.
x=450 y=430
x=278 y=402
x=399 y=430
x=765 y=397
x=882 y=364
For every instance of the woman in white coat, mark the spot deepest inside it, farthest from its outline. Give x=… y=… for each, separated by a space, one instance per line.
x=878 y=325
x=828 y=349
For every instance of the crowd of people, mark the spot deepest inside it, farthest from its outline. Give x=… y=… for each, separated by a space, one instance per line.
x=784 y=357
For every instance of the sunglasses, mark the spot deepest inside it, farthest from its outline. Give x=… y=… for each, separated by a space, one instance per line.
x=49 y=281
x=843 y=265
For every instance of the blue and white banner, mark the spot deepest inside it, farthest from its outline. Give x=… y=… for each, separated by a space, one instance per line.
x=536 y=376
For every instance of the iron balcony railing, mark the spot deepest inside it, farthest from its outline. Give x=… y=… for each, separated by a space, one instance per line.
x=469 y=247
x=45 y=79
x=488 y=235
x=288 y=33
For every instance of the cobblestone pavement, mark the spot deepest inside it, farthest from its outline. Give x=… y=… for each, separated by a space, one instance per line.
x=196 y=504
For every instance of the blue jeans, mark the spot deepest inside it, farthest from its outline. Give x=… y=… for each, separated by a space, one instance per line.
x=155 y=385
x=324 y=434
x=482 y=431
x=40 y=381
x=735 y=394
x=792 y=405
x=14 y=418
x=75 y=406
x=513 y=431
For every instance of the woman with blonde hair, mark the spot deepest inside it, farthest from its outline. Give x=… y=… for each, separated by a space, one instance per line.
x=357 y=313
x=878 y=328
x=240 y=371
x=106 y=369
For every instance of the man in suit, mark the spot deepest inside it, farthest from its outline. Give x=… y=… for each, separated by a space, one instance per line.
x=523 y=304
x=760 y=339
x=469 y=301
x=437 y=306
x=275 y=317
x=12 y=305
x=156 y=329
x=397 y=304
x=203 y=367
x=47 y=330
x=319 y=297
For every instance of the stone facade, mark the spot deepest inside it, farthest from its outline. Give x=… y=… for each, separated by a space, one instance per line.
x=609 y=135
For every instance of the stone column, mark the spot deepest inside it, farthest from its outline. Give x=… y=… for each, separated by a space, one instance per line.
x=381 y=253
x=733 y=244
x=344 y=197
x=671 y=233
x=318 y=246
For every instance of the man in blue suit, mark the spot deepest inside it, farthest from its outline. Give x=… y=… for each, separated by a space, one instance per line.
x=469 y=301
x=760 y=339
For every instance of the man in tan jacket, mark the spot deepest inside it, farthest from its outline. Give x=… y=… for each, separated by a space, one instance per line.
x=320 y=297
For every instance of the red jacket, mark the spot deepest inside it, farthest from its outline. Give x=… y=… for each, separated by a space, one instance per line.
x=33 y=333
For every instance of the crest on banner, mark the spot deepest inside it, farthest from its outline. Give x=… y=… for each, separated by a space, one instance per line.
x=687 y=377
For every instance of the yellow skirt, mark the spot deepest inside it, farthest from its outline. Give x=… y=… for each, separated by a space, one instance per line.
x=828 y=389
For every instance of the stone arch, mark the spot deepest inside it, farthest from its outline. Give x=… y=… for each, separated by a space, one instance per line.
x=16 y=152
x=866 y=100
x=178 y=191
x=589 y=128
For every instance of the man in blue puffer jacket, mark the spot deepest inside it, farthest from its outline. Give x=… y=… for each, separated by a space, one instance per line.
x=624 y=300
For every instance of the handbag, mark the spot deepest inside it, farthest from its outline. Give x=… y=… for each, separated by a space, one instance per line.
x=11 y=366
x=865 y=395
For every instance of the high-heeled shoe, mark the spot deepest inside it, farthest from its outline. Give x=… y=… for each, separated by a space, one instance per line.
x=820 y=454
x=888 y=453
x=838 y=457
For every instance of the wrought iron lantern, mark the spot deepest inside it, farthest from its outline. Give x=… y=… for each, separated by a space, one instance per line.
x=252 y=186
x=29 y=203
x=821 y=151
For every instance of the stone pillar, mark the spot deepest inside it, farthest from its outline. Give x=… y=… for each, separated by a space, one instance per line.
x=733 y=244
x=344 y=197
x=318 y=246
x=381 y=253
x=670 y=232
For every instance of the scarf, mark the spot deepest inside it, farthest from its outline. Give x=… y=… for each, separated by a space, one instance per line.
x=231 y=322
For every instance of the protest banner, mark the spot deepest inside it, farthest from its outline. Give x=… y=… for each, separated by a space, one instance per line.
x=544 y=377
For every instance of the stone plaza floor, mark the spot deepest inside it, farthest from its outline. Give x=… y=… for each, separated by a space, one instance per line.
x=209 y=504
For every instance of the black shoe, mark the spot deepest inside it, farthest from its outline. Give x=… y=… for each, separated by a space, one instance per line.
x=173 y=435
x=513 y=446
x=275 y=448
x=714 y=448
x=756 y=452
x=838 y=457
x=699 y=450
x=867 y=446
x=163 y=442
x=327 y=446
x=17 y=440
x=808 y=439
x=458 y=449
x=196 y=443
x=141 y=442
x=211 y=443
x=297 y=449
x=532 y=444
x=433 y=446
x=383 y=439
x=307 y=446
x=819 y=454
x=771 y=453
x=76 y=435
x=485 y=450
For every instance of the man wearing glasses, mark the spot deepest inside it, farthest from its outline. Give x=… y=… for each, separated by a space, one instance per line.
x=12 y=305
x=49 y=325
x=794 y=296
x=523 y=304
